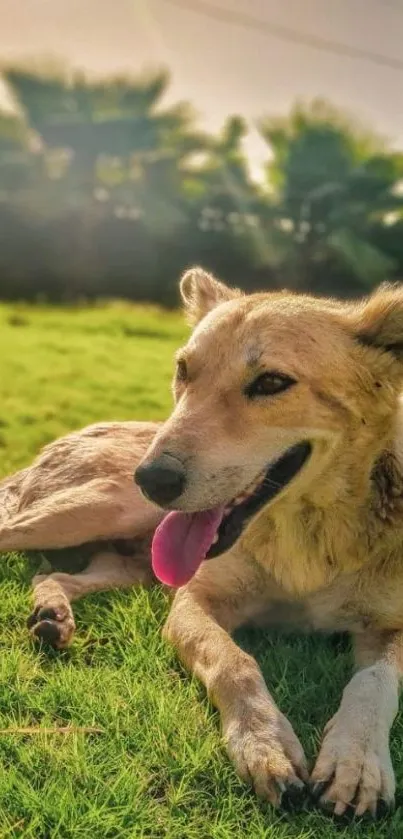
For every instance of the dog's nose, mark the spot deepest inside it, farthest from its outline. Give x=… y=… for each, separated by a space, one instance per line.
x=162 y=480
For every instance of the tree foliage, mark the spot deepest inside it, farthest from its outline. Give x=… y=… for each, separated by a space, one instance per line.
x=106 y=190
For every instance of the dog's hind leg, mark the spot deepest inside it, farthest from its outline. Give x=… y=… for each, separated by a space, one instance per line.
x=100 y=509
x=52 y=620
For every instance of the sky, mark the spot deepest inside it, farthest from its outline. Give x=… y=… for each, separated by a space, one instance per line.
x=224 y=68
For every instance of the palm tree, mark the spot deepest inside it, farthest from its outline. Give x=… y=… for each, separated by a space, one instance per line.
x=224 y=175
x=113 y=151
x=115 y=130
x=330 y=187
x=16 y=158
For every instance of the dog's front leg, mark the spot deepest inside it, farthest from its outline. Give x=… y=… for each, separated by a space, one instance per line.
x=259 y=739
x=354 y=771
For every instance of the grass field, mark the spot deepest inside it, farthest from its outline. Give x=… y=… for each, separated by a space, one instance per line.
x=157 y=768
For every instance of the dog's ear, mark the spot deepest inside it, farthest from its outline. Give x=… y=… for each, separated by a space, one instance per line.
x=379 y=321
x=201 y=292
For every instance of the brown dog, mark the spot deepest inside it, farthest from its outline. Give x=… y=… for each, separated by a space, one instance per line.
x=284 y=458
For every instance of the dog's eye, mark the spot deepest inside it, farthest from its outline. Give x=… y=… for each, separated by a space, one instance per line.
x=181 y=371
x=268 y=384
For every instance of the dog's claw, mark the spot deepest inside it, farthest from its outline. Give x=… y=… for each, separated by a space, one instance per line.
x=318 y=789
x=51 y=627
x=327 y=807
x=294 y=795
x=47 y=614
x=384 y=808
x=47 y=632
x=282 y=786
x=381 y=810
x=33 y=618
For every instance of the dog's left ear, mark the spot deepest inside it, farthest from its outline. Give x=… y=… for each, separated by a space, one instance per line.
x=379 y=321
x=201 y=292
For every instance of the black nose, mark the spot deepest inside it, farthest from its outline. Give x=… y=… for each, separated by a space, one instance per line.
x=162 y=480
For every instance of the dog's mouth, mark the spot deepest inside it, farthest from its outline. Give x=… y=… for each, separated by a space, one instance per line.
x=183 y=540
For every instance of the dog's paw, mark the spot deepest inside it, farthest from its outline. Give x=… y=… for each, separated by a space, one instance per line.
x=267 y=754
x=353 y=775
x=52 y=625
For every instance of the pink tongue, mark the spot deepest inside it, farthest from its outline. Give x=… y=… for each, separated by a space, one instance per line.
x=181 y=542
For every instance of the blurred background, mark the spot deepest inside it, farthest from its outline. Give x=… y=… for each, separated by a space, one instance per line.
x=261 y=139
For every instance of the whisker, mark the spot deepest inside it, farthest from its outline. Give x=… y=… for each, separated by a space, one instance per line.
x=270 y=483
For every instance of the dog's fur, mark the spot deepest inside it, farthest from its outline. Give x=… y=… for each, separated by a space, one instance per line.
x=325 y=554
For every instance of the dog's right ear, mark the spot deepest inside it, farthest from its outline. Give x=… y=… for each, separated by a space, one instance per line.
x=379 y=323
x=201 y=292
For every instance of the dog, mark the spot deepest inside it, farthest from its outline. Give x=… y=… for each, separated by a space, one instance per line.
x=273 y=494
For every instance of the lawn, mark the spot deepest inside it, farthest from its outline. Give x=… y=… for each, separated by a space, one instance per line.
x=156 y=767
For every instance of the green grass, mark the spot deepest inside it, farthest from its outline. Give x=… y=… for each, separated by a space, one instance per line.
x=158 y=769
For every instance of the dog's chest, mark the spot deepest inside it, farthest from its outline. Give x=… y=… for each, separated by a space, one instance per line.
x=337 y=569
x=302 y=555
x=335 y=608
x=328 y=610
x=322 y=589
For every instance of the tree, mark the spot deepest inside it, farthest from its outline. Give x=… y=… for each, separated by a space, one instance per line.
x=115 y=130
x=112 y=150
x=16 y=156
x=105 y=190
x=331 y=188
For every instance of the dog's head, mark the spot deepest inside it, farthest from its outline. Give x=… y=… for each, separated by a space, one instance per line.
x=275 y=394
